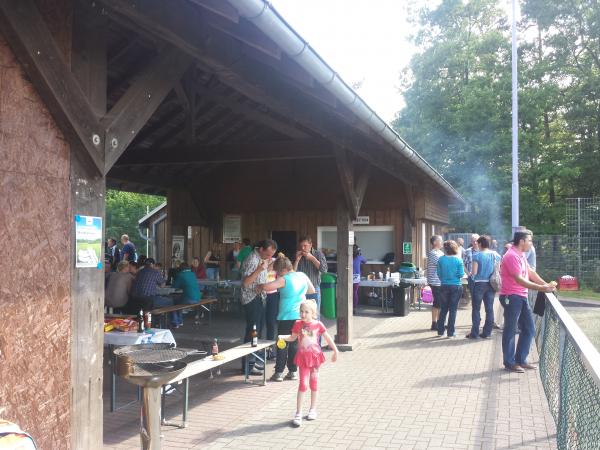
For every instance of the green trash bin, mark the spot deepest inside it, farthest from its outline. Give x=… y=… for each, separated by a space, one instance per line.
x=328 y=283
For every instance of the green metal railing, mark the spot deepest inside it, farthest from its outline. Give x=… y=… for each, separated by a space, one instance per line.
x=570 y=373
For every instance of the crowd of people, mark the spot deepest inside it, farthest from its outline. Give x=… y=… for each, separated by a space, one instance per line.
x=512 y=276
x=132 y=283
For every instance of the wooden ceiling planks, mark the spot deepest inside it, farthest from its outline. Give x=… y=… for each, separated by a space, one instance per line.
x=265 y=93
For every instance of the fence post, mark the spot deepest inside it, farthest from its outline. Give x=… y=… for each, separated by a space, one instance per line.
x=579 y=239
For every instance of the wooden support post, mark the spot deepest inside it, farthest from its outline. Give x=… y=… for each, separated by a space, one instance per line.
x=344 y=279
x=409 y=219
x=353 y=187
x=87 y=198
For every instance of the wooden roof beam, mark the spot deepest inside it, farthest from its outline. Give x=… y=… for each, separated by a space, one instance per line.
x=225 y=61
x=202 y=154
x=353 y=187
x=252 y=114
x=131 y=112
x=28 y=35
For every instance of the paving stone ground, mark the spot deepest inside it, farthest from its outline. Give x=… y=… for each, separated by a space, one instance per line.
x=401 y=388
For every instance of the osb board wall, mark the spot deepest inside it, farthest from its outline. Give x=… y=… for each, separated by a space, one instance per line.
x=35 y=282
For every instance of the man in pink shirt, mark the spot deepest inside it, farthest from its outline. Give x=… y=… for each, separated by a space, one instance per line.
x=517 y=278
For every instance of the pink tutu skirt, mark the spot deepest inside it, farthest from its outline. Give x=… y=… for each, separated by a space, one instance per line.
x=309 y=358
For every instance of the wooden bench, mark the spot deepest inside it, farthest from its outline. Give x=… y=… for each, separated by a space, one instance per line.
x=162 y=311
x=207 y=364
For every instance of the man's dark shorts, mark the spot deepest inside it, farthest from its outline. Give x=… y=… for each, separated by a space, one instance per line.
x=436 y=292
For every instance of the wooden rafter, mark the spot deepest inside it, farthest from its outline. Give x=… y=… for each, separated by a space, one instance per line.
x=353 y=187
x=202 y=154
x=127 y=117
x=28 y=35
x=227 y=60
x=249 y=113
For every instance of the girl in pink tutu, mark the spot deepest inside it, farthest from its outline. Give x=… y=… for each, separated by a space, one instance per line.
x=309 y=356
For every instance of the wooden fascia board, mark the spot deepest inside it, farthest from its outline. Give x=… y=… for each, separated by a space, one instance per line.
x=30 y=39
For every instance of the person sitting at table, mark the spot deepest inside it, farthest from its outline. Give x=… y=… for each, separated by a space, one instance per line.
x=133 y=268
x=117 y=291
x=198 y=268
x=144 y=291
x=188 y=283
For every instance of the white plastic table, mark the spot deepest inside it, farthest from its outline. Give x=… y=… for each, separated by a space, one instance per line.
x=383 y=286
x=415 y=283
x=155 y=336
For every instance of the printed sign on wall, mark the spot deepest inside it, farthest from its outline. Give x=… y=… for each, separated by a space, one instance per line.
x=232 y=228
x=88 y=241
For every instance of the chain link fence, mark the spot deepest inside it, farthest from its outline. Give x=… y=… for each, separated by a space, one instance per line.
x=576 y=253
x=570 y=373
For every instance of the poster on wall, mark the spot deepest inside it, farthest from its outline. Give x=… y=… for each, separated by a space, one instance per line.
x=178 y=247
x=232 y=228
x=88 y=242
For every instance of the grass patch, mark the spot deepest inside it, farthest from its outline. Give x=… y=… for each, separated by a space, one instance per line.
x=582 y=293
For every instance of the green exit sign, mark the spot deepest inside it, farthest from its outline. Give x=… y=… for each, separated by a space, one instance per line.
x=407 y=248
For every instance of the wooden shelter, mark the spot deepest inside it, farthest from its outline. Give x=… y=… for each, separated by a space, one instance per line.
x=217 y=104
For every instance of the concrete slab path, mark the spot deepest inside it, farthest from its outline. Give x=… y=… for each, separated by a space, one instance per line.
x=401 y=388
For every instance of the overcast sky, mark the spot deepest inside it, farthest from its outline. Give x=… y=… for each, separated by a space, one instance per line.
x=361 y=40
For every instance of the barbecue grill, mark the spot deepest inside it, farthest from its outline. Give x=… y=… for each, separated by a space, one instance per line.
x=150 y=366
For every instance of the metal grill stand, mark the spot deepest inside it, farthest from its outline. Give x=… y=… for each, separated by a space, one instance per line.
x=150 y=366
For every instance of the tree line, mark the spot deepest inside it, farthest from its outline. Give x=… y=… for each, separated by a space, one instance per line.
x=458 y=106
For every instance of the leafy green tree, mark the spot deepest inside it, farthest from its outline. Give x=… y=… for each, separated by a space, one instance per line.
x=458 y=112
x=457 y=93
x=123 y=210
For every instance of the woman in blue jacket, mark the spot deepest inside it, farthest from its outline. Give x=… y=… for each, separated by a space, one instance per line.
x=450 y=271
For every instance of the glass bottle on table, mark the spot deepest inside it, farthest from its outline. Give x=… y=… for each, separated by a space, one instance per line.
x=140 y=321
x=214 y=350
x=254 y=336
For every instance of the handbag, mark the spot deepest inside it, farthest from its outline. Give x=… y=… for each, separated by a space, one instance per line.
x=495 y=280
x=540 y=304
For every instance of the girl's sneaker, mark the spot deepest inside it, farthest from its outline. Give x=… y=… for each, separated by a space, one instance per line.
x=312 y=414
x=297 y=421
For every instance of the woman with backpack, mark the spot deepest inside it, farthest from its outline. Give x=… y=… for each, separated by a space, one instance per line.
x=484 y=263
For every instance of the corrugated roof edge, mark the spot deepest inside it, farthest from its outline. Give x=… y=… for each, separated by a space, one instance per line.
x=270 y=22
x=151 y=213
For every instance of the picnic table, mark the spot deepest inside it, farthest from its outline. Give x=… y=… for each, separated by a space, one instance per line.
x=227 y=291
x=206 y=364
